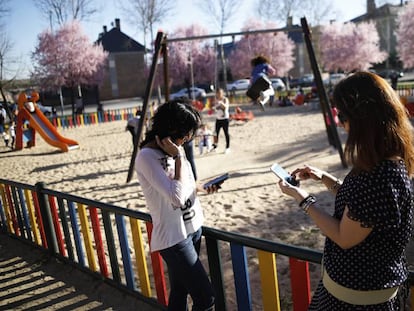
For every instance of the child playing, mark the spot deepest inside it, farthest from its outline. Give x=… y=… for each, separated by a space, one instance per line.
x=12 y=132
x=6 y=138
x=204 y=135
x=261 y=68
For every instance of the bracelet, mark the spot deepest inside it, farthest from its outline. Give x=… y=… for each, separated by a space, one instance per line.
x=336 y=185
x=307 y=202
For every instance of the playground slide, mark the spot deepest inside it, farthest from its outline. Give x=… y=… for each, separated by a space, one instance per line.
x=42 y=125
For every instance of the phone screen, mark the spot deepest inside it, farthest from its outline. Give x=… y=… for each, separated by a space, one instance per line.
x=283 y=174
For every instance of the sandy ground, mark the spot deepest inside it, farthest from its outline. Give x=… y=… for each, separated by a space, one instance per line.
x=250 y=202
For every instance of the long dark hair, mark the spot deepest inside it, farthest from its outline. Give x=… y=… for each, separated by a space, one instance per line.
x=175 y=119
x=379 y=127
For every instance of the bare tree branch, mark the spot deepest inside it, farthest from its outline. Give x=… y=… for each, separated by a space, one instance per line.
x=145 y=14
x=61 y=11
x=220 y=10
x=280 y=11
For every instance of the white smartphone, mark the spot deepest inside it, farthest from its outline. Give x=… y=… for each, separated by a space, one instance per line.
x=283 y=174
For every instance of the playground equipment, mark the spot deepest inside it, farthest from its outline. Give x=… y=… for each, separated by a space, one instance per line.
x=29 y=114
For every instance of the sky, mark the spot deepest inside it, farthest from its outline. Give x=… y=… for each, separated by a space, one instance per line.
x=26 y=22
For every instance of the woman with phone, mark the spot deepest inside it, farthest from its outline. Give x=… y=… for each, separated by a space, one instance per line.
x=364 y=265
x=170 y=191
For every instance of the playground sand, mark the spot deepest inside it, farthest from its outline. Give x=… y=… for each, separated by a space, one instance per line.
x=250 y=202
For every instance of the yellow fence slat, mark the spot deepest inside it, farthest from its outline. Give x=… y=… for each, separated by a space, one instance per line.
x=87 y=238
x=32 y=216
x=268 y=276
x=140 y=257
x=6 y=208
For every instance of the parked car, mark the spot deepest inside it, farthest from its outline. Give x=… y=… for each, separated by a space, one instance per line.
x=46 y=110
x=195 y=92
x=241 y=84
x=278 y=84
x=306 y=80
x=334 y=78
x=387 y=73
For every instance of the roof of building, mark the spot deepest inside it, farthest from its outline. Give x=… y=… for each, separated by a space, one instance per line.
x=386 y=10
x=115 y=40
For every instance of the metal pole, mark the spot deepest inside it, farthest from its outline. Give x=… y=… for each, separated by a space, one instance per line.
x=323 y=98
x=148 y=91
x=47 y=220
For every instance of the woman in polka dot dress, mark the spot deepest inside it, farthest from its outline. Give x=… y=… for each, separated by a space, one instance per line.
x=364 y=266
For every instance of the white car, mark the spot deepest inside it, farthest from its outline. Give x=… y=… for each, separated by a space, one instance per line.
x=195 y=93
x=334 y=78
x=278 y=84
x=241 y=84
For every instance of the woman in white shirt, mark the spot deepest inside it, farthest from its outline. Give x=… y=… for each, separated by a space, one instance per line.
x=221 y=107
x=170 y=191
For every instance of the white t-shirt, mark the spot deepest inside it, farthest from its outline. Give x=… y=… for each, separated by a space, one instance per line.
x=222 y=113
x=174 y=206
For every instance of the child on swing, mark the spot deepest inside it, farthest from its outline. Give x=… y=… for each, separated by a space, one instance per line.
x=261 y=69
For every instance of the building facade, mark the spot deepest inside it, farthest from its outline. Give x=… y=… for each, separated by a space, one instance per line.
x=126 y=65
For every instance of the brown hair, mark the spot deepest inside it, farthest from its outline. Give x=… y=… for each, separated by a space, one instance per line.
x=379 y=127
x=260 y=59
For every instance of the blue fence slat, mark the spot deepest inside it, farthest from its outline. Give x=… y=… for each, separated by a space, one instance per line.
x=25 y=214
x=126 y=257
x=63 y=215
x=241 y=277
x=18 y=212
x=2 y=216
x=76 y=233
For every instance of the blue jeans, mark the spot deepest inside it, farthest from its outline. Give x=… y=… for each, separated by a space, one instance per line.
x=187 y=275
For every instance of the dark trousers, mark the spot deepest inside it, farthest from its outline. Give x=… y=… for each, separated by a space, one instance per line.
x=189 y=154
x=187 y=275
x=224 y=124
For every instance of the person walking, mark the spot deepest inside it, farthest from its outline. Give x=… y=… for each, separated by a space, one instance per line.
x=221 y=107
x=364 y=265
x=133 y=124
x=170 y=190
x=3 y=116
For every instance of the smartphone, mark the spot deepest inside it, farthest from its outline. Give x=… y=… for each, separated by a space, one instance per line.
x=216 y=181
x=283 y=174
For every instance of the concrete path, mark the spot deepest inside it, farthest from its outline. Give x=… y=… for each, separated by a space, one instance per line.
x=33 y=280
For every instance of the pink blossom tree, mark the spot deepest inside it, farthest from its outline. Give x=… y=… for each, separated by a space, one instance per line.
x=350 y=46
x=68 y=58
x=198 y=54
x=405 y=35
x=275 y=46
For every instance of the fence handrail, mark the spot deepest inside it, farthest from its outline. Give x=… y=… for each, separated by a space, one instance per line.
x=68 y=231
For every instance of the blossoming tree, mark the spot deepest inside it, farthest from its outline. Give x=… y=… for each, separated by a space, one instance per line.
x=275 y=46
x=68 y=58
x=350 y=46
x=192 y=59
x=405 y=35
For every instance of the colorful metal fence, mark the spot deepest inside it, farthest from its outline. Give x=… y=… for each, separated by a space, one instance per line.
x=113 y=243
x=69 y=121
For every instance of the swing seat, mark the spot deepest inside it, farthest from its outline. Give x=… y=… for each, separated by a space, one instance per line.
x=242 y=116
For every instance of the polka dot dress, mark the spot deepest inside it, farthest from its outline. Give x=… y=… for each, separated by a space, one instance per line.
x=383 y=200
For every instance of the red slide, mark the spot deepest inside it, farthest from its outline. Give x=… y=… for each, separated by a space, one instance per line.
x=42 y=125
